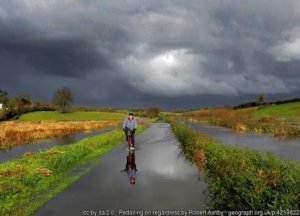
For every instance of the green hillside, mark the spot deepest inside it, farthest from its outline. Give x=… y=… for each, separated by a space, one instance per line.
x=281 y=110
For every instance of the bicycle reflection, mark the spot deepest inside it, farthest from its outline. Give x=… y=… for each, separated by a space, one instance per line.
x=130 y=167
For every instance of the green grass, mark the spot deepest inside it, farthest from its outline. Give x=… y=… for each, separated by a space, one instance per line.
x=54 y=115
x=240 y=178
x=25 y=185
x=281 y=110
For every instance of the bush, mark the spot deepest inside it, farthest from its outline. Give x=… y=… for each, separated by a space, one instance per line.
x=43 y=106
x=92 y=109
x=151 y=112
x=15 y=114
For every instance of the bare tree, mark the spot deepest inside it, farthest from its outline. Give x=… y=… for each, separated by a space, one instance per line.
x=63 y=98
x=260 y=100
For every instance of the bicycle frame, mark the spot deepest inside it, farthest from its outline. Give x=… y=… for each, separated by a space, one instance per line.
x=129 y=135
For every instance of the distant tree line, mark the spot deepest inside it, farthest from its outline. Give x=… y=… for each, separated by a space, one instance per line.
x=62 y=101
x=260 y=101
x=23 y=103
x=150 y=112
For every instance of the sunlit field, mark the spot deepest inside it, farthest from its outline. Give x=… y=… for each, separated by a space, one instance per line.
x=259 y=120
x=13 y=132
x=55 y=115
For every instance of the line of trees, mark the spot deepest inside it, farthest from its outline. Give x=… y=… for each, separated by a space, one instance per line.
x=151 y=112
x=23 y=103
x=62 y=101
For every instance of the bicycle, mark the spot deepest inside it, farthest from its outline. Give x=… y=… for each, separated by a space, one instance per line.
x=130 y=167
x=130 y=138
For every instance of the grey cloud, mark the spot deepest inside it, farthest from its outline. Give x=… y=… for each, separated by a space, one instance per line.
x=150 y=52
x=59 y=56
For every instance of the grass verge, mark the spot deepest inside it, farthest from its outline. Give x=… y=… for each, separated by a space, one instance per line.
x=240 y=178
x=28 y=182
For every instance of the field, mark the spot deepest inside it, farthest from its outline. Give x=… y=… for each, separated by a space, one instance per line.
x=278 y=120
x=14 y=132
x=75 y=116
x=240 y=178
x=289 y=110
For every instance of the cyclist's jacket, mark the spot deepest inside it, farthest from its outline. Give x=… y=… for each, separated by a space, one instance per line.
x=129 y=124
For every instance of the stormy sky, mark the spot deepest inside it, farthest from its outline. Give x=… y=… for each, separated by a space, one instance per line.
x=173 y=54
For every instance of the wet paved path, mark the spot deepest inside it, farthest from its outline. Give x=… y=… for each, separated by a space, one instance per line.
x=165 y=180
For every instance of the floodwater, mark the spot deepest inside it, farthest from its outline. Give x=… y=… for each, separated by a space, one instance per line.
x=156 y=176
x=18 y=150
x=287 y=148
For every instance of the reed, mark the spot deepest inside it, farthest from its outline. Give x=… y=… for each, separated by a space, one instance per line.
x=16 y=133
x=244 y=120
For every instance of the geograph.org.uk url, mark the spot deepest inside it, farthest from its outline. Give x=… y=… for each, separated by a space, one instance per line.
x=142 y=213
x=188 y=213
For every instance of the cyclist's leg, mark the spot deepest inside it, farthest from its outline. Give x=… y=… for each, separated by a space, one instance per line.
x=126 y=135
x=133 y=138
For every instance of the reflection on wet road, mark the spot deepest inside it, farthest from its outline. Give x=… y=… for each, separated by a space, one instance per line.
x=130 y=167
x=155 y=177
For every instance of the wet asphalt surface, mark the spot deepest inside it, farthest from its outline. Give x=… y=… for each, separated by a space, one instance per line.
x=286 y=148
x=165 y=180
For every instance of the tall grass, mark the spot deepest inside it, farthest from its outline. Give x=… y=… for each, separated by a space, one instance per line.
x=13 y=132
x=244 y=120
x=239 y=178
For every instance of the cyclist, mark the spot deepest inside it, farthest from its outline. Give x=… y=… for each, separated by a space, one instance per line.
x=130 y=123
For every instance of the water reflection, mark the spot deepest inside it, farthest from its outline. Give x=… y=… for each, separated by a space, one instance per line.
x=285 y=148
x=130 y=167
x=17 y=151
x=66 y=139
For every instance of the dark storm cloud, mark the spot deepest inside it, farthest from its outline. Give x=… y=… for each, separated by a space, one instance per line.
x=57 y=56
x=168 y=53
